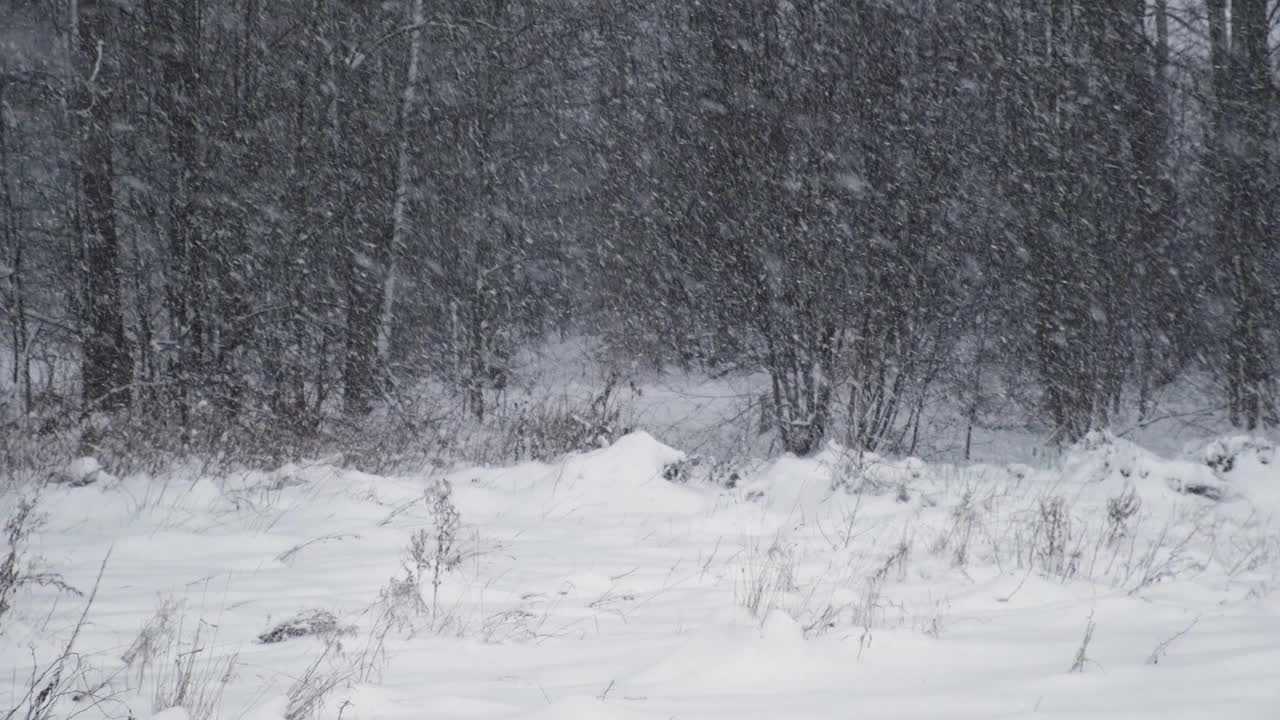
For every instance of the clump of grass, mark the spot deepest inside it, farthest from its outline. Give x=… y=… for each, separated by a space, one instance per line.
x=172 y=668
x=1054 y=552
x=1120 y=512
x=965 y=519
x=191 y=676
x=156 y=635
x=308 y=623
x=765 y=577
x=309 y=692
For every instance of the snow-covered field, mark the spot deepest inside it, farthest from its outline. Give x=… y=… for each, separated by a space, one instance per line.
x=636 y=582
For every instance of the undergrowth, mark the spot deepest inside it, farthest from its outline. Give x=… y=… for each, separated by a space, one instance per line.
x=408 y=432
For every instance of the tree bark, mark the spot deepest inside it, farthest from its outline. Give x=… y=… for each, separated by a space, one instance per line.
x=399 y=210
x=18 y=315
x=107 y=366
x=372 y=271
x=1238 y=162
x=175 y=22
x=1252 y=86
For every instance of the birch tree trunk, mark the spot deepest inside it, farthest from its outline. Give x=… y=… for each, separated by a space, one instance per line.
x=372 y=303
x=399 y=221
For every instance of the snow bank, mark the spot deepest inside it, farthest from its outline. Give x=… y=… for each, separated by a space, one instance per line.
x=1236 y=469
x=1117 y=465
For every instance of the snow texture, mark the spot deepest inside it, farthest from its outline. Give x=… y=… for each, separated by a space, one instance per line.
x=841 y=585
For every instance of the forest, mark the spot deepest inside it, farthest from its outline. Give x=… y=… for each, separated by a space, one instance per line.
x=255 y=221
x=639 y=359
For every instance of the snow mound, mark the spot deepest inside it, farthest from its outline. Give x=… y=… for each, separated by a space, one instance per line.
x=1114 y=463
x=625 y=477
x=1247 y=464
x=82 y=472
x=629 y=474
x=1101 y=466
x=1236 y=468
x=1224 y=454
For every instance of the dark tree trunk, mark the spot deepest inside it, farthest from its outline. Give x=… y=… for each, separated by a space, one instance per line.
x=107 y=366
x=1239 y=158
x=175 y=24
x=18 y=294
x=364 y=310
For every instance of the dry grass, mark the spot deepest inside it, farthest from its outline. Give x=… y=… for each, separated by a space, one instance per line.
x=765 y=576
x=191 y=676
x=310 y=691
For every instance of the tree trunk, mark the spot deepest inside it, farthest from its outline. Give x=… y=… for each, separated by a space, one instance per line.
x=372 y=277
x=1238 y=160
x=175 y=29
x=107 y=366
x=399 y=210
x=18 y=315
x=1252 y=88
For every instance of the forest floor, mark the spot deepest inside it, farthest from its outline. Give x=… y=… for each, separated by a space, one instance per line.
x=637 y=582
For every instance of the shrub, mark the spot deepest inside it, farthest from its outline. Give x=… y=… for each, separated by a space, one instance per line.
x=16 y=570
x=547 y=432
x=16 y=531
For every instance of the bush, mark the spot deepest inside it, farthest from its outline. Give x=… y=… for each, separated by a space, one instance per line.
x=18 y=571
x=547 y=432
x=16 y=531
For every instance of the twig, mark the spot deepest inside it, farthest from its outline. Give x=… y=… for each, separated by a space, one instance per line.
x=1082 y=653
x=398 y=510
x=93 y=594
x=1154 y=657
x=287 y=555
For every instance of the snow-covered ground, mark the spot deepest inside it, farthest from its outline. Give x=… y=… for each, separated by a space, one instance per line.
x=634 y=582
